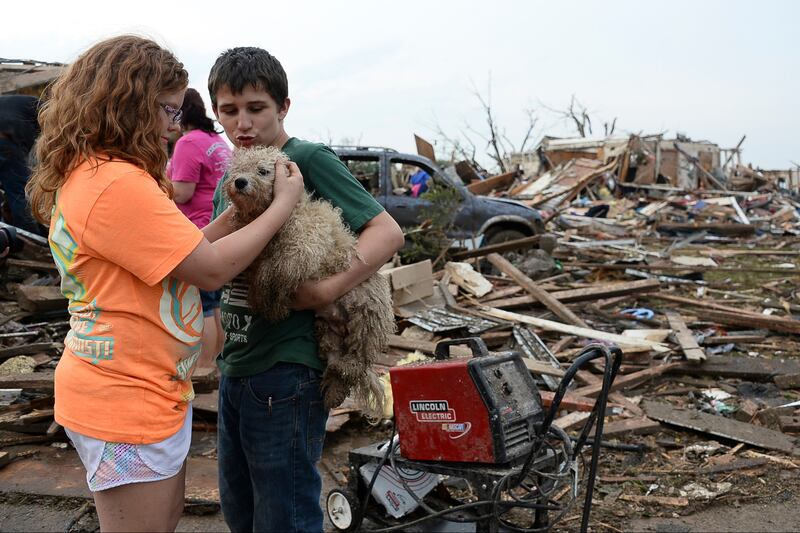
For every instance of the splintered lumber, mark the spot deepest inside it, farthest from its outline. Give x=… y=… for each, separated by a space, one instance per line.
x=595 y=292
x=584 y=376
x=463 y=275
x=571 y=420
x=396 y=341
x=516 y=244
x=631 y=426
x=673 y=501
x=749 y=368
x=730 y=230
x=570 y=401
x=559 y=309
x=735 y=339
x=621 y=340
x=32 y=265
x=27 y=349
x=738 y=317
x=719 y=426
x=44 y=380
x=628 y=380
x=606 y=290
x=542 y=368
x=40 y=298
x=788 y=381
x=678 y=268
x=495 y=182
x=689 y=345
x=699 y=303
x=774 y=323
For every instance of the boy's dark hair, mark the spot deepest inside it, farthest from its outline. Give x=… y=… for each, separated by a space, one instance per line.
x=248 y=65
x=194 y=113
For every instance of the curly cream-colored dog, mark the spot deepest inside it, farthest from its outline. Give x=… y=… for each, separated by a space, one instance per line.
x=314 y=244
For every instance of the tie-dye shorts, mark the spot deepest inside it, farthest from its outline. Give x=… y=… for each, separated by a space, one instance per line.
x=111 y=464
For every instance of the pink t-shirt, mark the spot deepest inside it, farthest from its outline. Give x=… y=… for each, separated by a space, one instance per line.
x=200 y=158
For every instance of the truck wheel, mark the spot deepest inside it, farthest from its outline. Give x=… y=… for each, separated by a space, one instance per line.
x=342 y=506
x=504 y=235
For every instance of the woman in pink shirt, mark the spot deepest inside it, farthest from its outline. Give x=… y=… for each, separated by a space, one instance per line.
x=199 y=161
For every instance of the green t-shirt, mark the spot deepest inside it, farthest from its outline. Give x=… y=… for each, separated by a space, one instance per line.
x=252 y=344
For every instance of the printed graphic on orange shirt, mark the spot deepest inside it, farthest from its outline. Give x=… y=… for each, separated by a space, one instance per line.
x=63 y=247
x=181 y=311
x=83 y=314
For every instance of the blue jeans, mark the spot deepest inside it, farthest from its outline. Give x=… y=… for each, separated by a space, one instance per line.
x=271 y=427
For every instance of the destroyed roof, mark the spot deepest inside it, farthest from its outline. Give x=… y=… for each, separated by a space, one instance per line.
x=580 y=143
x=27 y=76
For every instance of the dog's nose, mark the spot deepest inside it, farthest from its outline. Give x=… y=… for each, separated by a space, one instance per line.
x=240 y=183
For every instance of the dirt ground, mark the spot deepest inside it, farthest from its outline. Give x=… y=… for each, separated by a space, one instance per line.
x=764 y=498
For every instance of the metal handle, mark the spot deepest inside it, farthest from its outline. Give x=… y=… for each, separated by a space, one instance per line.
x=475 y=344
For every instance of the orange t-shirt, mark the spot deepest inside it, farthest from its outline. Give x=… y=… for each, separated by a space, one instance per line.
x=125 y=375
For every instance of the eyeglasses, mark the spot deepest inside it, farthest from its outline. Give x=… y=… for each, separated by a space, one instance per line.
x=174 y=114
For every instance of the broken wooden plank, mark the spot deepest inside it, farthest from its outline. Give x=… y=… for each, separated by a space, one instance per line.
x=782 y=325
x=631 y=426
x=789 y=423
x=672 y=501
x=605 y=290
x=739 y=464
x=735 y=339
x=40 y=298
x=628 y=380
x=788 y=381
x=622 y=341
x=729 y=230
x=32 y=265
x=719 y=426
x=28 y=349
x=495 y=182
x=463 y=275
x=571 y=420
x=587 y=378
x=516 y=244
x=542 y=368
x=396 y=341
x=749 y=368
x=559 y=309
x=684 y=337
x=569 y=402
x=694 y=302
x=201 y=382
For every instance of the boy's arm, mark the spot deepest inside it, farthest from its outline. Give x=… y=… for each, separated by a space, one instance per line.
x=379 y=239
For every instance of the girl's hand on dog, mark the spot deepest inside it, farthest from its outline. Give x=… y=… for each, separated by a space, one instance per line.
x=288 y=186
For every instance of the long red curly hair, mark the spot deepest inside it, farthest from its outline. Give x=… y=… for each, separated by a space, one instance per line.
x=105 y=106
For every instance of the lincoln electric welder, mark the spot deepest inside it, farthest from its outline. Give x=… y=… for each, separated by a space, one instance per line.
x=484 y=409
x=478 y=420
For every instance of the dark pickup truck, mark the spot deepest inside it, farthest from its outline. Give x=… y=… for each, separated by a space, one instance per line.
x=384 y=172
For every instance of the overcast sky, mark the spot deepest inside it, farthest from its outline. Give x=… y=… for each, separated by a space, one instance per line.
x=377 y=72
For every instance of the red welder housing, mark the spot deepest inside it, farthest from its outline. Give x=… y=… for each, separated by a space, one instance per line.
x=482 y=409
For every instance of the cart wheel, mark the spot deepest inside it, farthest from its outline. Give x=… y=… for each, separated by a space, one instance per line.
x=342 y=506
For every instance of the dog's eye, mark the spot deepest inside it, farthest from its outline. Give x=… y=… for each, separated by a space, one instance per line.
x=263 y=171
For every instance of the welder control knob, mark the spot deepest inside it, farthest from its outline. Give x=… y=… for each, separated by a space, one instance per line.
x=506 y=388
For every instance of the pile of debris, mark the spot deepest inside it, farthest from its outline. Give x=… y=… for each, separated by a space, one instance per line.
x=697 y=286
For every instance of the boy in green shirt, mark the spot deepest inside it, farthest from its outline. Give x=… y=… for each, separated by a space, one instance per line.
x=271 y=417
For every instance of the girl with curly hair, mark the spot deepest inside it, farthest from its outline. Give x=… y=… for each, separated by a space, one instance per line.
x=130 y=266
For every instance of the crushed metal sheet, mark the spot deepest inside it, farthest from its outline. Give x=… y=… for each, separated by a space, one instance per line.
x=533 y=347
x=439 y=320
